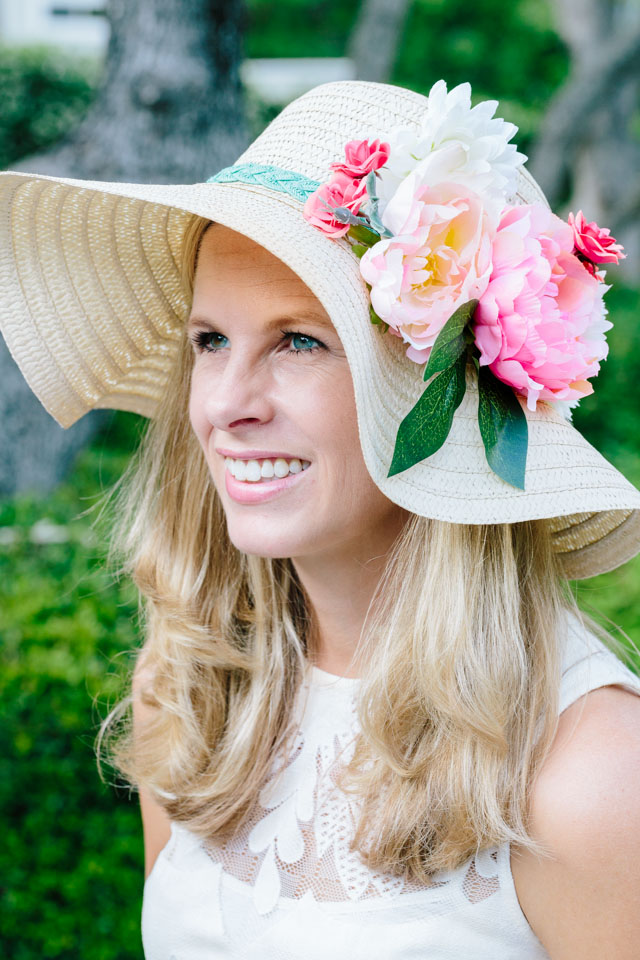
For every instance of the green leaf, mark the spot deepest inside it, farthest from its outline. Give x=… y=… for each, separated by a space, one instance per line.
x=503 y=428
x=359 y=249
x=427 y=425
x=364 y=235
x=451 y=340
x=373 y=316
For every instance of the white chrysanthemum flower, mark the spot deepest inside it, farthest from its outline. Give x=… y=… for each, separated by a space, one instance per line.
x=454 y=143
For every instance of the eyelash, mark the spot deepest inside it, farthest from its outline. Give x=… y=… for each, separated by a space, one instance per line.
x=200 y=339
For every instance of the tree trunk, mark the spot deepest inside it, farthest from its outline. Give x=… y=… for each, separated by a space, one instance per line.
x=585 y=150
x=170 y=110
x=376 y=37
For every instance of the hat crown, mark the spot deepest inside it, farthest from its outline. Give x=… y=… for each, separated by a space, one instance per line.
x=311 y=132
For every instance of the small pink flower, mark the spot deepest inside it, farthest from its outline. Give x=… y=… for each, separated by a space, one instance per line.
x=340 y=191
x=594 y=242
x=540 y=323
x=438 y=259
x=362 y=157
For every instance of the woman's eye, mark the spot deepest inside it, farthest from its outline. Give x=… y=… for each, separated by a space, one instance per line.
x=201 y=340
x=308 y=342
x=209 y=341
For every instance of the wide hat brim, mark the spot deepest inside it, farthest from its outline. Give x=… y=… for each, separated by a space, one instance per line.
x=93 y=310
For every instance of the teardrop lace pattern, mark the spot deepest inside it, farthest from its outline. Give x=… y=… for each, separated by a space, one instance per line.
x=297 y=842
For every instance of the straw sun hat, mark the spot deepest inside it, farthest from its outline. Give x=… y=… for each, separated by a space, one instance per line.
x=93 y=310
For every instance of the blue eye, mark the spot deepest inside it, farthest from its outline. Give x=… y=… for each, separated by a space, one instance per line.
x=301 y=336
x=201 y=340
x=204 y=340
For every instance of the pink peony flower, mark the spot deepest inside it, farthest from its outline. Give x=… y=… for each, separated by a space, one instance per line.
x=540 y=323
x=593 y=241
x=439 y=258
x=362 y=157
x=341 y=191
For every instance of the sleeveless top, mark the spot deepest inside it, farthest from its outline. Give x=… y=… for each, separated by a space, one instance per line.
x=288 y=886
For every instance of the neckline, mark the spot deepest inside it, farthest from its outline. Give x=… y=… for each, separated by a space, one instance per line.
x=322 y=678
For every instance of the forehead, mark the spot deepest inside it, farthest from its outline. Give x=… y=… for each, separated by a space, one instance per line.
x=232 y=269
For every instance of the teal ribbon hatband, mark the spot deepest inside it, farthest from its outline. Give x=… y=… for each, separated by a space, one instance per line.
x=285 y=181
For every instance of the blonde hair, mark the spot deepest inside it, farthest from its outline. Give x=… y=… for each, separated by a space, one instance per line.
x=459 y=658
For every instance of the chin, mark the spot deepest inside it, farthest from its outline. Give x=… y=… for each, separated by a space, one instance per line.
x=260 y=542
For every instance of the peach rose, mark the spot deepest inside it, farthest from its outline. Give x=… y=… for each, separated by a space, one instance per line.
x=438 y=259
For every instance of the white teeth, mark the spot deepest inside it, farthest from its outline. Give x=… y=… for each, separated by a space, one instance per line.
x=253 y=471
x=280 y=467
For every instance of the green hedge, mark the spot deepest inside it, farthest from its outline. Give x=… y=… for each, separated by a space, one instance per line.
x=71 y=860
x=43 y=94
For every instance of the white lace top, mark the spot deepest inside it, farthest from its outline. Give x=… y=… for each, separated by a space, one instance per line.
x=289 y=888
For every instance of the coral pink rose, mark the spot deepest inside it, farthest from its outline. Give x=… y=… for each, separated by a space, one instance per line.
x=439 y=259
x=362 y=157
x=540 y=323
x=594 y=242
x=340 y=191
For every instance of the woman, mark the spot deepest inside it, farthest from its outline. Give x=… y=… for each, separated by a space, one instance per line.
x=368 y=716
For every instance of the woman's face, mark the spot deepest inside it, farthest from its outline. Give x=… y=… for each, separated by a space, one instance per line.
x=271 y=381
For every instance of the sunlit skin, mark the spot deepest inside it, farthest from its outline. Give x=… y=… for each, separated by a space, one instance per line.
x=251 y=389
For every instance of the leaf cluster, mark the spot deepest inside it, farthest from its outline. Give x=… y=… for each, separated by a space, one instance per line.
x=501 y=419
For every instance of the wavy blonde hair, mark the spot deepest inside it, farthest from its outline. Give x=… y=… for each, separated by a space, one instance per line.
x=459 y=659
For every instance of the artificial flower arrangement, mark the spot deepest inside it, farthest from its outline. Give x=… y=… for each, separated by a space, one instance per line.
x=460 y=274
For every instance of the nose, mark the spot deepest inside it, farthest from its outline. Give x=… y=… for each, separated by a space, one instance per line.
x=239 y=391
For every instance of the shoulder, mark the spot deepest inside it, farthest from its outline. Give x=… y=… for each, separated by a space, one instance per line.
x=585 y=810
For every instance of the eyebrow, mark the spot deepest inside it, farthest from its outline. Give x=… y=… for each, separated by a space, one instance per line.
x=299 y=317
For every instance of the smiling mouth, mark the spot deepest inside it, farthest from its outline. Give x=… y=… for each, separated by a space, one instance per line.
x=264 y=470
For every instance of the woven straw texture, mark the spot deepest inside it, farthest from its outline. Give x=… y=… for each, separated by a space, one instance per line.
x=93 y=309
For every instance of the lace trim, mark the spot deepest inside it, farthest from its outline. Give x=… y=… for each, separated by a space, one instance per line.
x=284 y=181
x=297 y=842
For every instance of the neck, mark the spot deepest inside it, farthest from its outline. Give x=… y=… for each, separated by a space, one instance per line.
x=340 y=585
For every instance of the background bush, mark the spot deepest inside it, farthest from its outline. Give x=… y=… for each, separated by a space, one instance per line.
x=43 y=94
x=71 y=865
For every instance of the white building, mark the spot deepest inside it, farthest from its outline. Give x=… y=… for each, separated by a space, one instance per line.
x=75 y=25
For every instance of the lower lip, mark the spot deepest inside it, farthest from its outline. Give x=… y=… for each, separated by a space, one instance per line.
x=243 y=491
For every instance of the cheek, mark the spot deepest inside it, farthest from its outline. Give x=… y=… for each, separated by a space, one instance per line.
x=336 y=426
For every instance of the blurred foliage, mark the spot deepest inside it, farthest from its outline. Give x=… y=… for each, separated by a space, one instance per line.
x=72 y=862
x=609 y=420
x=43 y=94
x=520 y=65
x=506 y=51
x=297 y=28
